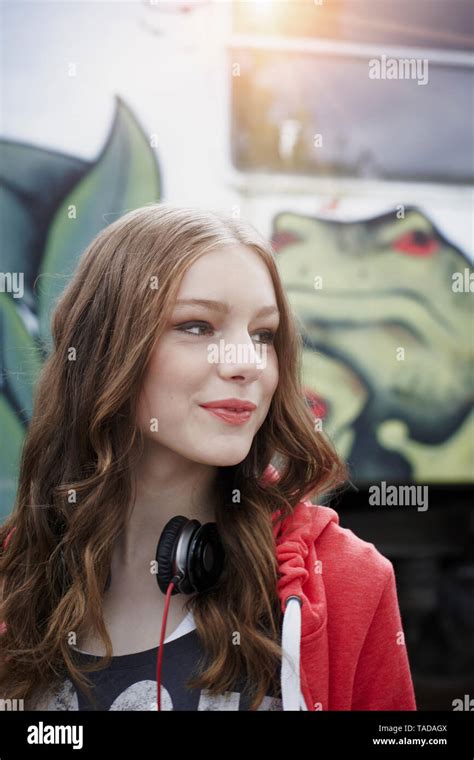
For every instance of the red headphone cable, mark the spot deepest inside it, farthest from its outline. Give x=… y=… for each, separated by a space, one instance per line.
x=169 y=591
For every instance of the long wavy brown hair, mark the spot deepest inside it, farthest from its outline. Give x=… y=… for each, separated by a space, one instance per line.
x=84 y=438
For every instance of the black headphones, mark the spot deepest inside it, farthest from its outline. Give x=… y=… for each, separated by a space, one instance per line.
x=189 y=554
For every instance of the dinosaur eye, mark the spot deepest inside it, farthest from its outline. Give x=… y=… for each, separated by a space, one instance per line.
x=416 y=243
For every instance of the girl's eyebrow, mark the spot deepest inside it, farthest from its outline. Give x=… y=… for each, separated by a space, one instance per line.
x=265 y=311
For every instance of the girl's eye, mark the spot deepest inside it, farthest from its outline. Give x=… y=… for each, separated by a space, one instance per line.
x=193 y=326
x=268 y=335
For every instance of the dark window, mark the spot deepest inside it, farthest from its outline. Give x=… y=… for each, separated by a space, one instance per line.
x=393 y=129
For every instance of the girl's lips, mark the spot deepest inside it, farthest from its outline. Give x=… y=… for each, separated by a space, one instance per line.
x=232 y=418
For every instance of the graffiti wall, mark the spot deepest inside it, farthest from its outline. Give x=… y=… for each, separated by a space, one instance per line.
x=384 y=306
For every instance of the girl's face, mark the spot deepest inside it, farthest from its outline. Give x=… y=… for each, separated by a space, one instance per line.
x=187 y=369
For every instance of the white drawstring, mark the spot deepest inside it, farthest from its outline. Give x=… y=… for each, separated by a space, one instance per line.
x=290 y=665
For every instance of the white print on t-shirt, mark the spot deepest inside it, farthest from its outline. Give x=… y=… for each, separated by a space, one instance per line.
x=142 y=696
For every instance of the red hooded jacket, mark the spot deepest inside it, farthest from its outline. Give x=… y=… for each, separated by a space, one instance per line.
x=345 y=641
x=342 y=637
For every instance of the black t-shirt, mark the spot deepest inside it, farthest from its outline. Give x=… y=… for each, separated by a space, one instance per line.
x=129 y=682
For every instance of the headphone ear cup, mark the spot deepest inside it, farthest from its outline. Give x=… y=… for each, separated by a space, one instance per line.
x=205 y=557
x=165 y=552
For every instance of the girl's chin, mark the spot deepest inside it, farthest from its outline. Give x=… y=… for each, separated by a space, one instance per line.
x=227 y=458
